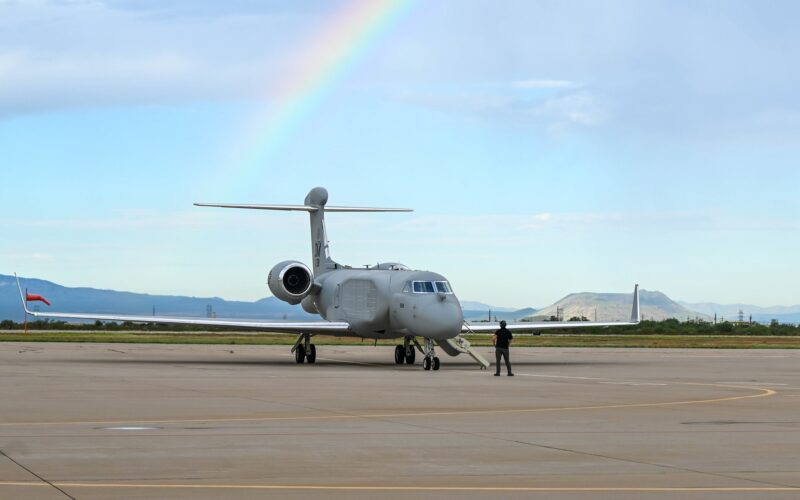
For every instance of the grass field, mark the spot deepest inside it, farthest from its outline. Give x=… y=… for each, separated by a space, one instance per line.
x=520 y=340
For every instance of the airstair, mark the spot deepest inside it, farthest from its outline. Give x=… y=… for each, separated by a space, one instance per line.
x=459 y=345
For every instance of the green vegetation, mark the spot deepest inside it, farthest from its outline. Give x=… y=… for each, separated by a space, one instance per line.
x=667 y=327
x=675 y=327
x=662 y=334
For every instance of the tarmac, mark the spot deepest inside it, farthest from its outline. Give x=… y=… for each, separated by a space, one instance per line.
x=199 y=421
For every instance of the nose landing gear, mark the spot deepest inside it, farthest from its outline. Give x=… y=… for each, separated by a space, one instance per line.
x=430 y=361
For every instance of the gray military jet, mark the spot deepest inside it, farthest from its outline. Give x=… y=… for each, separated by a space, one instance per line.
x=385 y=301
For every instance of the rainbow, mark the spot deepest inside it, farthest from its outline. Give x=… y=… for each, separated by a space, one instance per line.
x=323 y=63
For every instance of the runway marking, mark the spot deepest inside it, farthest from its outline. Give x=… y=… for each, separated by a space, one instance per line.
x=763 y=392
x=631 y=383
x=609 y=381
x=749 y=383
x=561 y=376
x=333 y=487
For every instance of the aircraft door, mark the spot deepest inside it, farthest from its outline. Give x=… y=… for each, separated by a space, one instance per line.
x=401 y=308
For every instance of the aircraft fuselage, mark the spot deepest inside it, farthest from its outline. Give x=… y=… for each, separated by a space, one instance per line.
x=381 y=303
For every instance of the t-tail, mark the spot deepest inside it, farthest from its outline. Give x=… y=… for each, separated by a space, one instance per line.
x=316 y=206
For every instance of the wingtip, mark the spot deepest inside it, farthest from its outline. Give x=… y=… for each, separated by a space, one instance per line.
x=21 y=296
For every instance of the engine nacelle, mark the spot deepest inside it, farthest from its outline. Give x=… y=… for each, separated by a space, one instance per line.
x=290 y=281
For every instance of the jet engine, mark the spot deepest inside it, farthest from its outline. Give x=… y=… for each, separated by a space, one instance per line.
x=290 y=281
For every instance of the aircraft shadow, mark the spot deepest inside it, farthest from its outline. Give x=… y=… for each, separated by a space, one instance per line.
x=334 y=363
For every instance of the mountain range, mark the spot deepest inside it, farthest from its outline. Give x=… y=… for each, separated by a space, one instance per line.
x=111 y=302
x=602 y=306
x=784 y=314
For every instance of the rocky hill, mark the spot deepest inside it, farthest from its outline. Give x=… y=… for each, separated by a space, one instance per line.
x=617 y=307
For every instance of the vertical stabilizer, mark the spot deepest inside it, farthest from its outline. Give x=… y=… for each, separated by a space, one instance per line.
x=320 y=251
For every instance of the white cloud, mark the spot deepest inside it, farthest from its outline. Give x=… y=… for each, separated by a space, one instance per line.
x=544 y=84
x=555 y=114
x=32 y=257
x=36 y=81
x=544 y=217
x=578 y=108
x=584 y=221
x=56 y=55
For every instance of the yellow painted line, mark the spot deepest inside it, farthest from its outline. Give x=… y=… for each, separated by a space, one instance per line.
x=763 y=392
x=335 y=487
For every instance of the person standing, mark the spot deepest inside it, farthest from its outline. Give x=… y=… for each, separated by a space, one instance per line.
x=502 y=344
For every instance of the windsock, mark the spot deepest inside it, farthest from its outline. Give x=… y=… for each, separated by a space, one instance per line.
x=32 y=297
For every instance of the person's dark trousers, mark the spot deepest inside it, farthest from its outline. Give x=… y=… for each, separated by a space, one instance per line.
x=501 y=353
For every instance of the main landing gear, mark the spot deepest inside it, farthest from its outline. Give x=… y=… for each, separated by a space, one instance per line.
x=304 y=350
x=405 y=353
x=430 y=361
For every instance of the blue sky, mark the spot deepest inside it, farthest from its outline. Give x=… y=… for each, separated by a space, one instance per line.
x=547 y=147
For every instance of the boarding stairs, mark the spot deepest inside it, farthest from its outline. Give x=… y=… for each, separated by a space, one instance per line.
x=459 y=345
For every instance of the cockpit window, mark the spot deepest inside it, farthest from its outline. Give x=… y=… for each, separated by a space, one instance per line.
x=431 y=287
x=443 y=287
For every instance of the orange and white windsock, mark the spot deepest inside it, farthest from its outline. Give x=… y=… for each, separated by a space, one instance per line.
x=32 y=297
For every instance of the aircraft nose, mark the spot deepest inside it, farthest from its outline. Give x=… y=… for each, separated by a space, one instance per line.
x=441 y=319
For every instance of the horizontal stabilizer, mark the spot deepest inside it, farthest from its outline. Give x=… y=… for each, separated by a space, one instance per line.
x=366 y=209
x=302 y=208
x=295 y=208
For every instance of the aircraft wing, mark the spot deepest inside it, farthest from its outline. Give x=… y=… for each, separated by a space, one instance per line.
x=320 y=327
x=550 y=325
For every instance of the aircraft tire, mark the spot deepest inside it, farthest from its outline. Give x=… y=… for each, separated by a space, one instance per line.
x=311 y=355
x=435 y=364
x=300 y=354
x=398 y=354
x=426 y=364
x=410 y=357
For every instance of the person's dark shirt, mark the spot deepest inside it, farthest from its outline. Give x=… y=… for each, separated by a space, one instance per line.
x=503 y=337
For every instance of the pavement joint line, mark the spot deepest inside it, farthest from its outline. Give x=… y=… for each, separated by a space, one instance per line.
x=610 y=457
x=333 y=487
x=763 y=392
x=641 y=462
x=42 y=481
